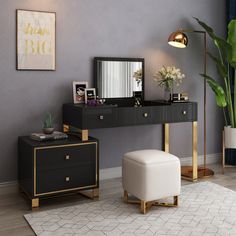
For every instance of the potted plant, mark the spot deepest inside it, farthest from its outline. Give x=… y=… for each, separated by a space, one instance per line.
x=48 y=124
x=226 y=63
x=167 y=77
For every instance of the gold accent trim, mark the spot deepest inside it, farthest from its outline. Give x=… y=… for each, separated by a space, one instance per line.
x=84 y=134
x=35 y=202
x=167 y=137
x=194 y=141
x=94 y=193
x=64 y=190
x=66 y=128
x=146 y=205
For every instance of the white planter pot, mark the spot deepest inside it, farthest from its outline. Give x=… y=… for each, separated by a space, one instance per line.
x=230 y=137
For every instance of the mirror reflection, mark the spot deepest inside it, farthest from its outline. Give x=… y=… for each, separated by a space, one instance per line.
x=118 y=79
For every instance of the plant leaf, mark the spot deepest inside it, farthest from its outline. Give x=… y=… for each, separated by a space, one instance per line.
x=232 y=41
x=217 y=89
x=219 y=65
x=224 y=47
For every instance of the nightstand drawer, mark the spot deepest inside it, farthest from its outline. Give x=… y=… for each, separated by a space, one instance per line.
x=99 y=118
x=49 y=158
x=62 y=180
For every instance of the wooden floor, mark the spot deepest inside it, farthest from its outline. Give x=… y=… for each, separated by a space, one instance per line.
x=13 y=206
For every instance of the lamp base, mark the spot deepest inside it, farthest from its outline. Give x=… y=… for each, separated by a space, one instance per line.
x=187 y=172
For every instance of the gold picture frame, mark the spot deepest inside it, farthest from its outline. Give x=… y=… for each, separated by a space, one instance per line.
x=35 y=40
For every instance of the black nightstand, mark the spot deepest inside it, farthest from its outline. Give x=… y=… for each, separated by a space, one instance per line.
x=53 y=167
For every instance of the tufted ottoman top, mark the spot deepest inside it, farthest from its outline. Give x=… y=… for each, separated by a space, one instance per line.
x=150 y=156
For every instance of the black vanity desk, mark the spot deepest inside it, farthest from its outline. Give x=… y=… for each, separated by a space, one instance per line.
x=85 y=117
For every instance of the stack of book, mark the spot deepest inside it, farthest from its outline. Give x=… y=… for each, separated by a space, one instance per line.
x=44 y=137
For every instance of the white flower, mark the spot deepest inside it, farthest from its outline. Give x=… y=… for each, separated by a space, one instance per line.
x=168 y=76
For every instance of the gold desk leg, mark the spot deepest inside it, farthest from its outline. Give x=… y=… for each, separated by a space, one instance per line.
x=167 y=137
x=194 y=140
x=143 y=207
x=84 y=134
x=66 y=128
x=35 y=202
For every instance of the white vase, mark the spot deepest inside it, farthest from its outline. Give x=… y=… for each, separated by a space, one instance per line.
x=230 y=137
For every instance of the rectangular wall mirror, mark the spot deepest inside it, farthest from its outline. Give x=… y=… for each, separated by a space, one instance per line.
x=119 y=77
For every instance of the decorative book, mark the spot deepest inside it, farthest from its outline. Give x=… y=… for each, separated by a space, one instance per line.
x=44 y=137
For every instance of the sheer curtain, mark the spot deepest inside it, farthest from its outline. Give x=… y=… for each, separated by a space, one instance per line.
x=117 y=78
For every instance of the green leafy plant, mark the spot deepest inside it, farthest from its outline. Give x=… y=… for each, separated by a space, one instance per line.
x=48 y=121
x=225 y=60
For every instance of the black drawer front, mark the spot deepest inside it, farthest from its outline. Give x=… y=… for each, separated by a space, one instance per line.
x=159 y=114
x=99 y=118
x=79 y=176
x=126 y=116
x=65 y=157
x=180 y=112
x=143 y=115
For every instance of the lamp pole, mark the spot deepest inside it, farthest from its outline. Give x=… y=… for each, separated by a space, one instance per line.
x=202 y=172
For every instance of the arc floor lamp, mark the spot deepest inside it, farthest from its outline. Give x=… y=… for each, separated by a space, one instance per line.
x=180 y=40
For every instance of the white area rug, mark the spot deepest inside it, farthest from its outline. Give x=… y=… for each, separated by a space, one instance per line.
x=205 y=209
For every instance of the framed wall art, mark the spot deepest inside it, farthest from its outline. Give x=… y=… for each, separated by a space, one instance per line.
x=35 y=40
x=90 y=94
x=79 y=91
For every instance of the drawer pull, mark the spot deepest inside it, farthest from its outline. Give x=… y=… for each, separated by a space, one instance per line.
x=67 y=157
x=101 y=117
x=184 y=112
x=145 y=114
x=67 y=179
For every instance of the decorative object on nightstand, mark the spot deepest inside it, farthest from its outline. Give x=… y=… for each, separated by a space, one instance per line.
x=50 y=168
x=180 y=40
x=48 y=124
x=167 y=77
x=226 y=64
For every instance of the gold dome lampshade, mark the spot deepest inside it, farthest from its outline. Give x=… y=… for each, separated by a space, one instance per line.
x=178 y=39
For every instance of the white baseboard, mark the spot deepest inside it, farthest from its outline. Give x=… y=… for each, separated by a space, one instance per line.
x=116 y=172
x=110 y=173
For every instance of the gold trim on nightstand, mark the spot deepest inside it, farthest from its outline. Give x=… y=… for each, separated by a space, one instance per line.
x=64 y=190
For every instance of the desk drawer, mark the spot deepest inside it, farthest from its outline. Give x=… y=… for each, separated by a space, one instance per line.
x=65 y=156
x=181 y=112
x=99 y=118
x=65 y=179
x=143 y=115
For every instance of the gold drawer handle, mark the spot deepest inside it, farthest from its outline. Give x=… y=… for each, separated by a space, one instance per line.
x=145 y=114
x=67 y=157
x=184 y=112
x=67 y=178
x=101 y=117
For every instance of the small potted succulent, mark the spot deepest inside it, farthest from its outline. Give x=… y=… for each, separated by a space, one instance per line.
x=48 y=124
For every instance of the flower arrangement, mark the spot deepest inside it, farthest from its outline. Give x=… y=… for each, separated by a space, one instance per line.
x=168 y=76
x=138 y=75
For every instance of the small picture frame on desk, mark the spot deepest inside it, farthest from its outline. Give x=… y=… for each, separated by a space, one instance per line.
x=79 y=91
x=90 y=94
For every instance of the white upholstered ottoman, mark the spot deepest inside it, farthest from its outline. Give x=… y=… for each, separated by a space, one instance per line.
x=150 y=175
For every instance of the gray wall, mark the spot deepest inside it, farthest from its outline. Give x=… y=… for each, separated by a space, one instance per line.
x=124 y=28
